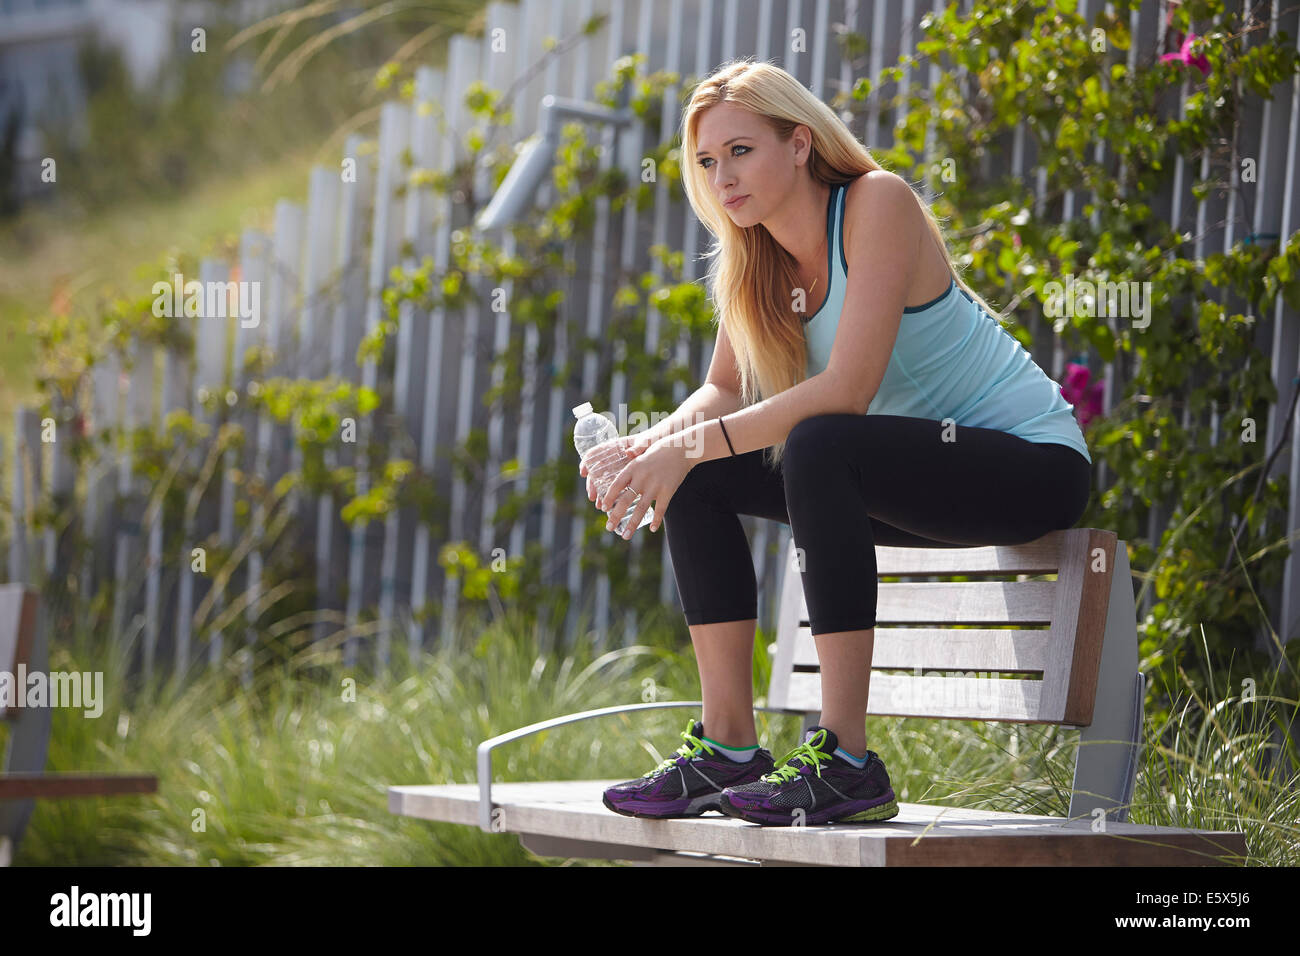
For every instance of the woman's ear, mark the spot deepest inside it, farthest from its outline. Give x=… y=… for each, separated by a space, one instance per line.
x=802 y=144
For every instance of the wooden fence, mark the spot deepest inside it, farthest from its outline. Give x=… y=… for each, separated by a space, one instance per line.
x=322 y=270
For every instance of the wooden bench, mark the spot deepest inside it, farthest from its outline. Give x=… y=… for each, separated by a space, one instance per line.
x=1073 y=657
x=23 y=642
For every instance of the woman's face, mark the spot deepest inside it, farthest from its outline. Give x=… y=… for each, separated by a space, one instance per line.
x=757 y=164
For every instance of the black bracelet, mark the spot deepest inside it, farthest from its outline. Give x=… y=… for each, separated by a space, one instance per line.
x=727 y=437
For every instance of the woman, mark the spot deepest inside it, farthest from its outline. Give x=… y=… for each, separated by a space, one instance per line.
x=859 y=391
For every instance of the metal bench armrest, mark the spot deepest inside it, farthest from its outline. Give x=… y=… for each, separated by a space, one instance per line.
x=486 y=747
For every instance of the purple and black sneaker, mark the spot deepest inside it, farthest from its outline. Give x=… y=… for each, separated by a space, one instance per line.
x=687 y=784
x=815 y=786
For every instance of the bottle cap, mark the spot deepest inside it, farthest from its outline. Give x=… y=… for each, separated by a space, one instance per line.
x=581 y=410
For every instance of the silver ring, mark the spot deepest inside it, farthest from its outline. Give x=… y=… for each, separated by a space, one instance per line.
x=634 y=491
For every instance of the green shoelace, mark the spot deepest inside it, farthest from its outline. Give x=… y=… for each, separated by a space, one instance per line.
x=806 y=753
x=691 y=748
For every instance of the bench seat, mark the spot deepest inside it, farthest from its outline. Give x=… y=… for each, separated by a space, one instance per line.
x=567 y=818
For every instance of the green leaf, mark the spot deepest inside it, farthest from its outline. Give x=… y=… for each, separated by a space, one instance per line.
x=1007 y=260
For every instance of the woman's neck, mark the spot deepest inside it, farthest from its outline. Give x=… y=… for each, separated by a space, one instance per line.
x=801 y=232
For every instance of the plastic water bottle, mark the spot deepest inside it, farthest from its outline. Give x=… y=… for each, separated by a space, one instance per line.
x=592 y=430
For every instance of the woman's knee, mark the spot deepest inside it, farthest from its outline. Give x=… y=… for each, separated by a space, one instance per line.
x=1077 y=494
x=694 y=488
x=814 y=440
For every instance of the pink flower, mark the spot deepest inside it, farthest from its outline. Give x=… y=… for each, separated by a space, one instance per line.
x=1085 y=397
x=1184 y=56
x=1015 y=239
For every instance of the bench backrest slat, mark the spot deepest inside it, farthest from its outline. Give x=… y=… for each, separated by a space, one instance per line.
x=1036 y=557
x=964 y=698
x=1046 y=634
x=963 y=602
x=945 y=649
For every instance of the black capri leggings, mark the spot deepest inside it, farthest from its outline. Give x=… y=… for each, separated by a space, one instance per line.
x=848 y=482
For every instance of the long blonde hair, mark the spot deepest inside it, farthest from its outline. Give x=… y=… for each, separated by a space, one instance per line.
x=752 y=274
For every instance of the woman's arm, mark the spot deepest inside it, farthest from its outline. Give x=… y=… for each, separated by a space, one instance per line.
x=888 y=226
x=707 y=401
x=768 y=421
x=719 y=395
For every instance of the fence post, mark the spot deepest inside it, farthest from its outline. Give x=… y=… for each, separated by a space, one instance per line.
x=410 y=377
x=596 y=315
x=99 y=519
x=495 y=71
x=25 y=493
x=270 y=459
x=210 y=379
x=394 y=125
x=62 y=484
x=135 y=414
x=320 y=290
x=345 y=335
x=462 y=60
x=566 y=72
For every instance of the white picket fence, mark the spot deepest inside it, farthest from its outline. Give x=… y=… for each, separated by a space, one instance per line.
x=322 y=270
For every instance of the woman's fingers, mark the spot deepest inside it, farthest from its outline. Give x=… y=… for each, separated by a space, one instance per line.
x=618 y=507
x=610 y=500
x=637 y=514
x=604 y=463
x=595 y=465
x=628 y=509
x=638 y=443
x=658 y=518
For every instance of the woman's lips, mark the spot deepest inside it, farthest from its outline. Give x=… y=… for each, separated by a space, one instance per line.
x=732 y=204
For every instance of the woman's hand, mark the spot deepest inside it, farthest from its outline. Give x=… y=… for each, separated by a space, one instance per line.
x=654 y=474
x=606 y=459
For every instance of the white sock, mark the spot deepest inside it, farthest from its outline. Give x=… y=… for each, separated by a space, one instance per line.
x=858 y=762
x=738 y=754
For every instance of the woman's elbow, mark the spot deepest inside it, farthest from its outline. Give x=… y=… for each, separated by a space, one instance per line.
x=851 y=399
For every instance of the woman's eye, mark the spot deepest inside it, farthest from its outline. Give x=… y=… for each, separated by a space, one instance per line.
x=733 y=152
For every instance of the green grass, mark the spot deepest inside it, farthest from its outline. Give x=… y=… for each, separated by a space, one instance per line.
x=289 y=772
x=48 y=252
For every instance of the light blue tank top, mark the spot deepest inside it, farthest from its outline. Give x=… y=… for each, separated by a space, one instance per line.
x=951 y=360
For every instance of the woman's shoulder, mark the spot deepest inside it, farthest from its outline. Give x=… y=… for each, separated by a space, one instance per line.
x=860 y=185
x=855 y=192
